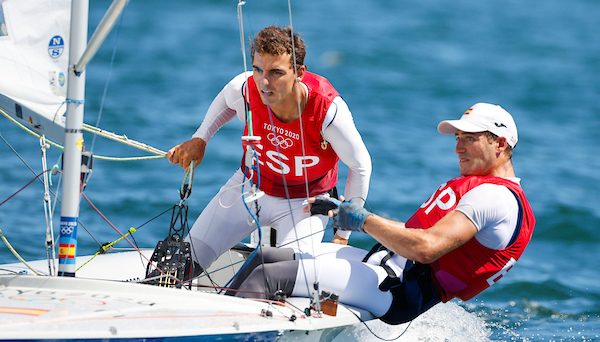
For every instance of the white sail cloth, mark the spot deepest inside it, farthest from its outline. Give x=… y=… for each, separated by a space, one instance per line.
x=34 y=40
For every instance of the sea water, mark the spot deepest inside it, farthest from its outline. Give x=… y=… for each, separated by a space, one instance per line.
x=402 y=67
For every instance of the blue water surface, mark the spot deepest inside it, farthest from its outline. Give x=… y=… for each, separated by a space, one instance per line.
x=402 y=67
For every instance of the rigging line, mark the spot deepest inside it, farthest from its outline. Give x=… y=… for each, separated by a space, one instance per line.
x=240 y=15
x=108 y=79
x=186 y=185
x=136 y=246
x=16 y=254
x=60 y=106
x=248 y=114
x=94 y=130
x=124 y=159
x=303 y=148
x=33 y=172
x=37 y=176
x=109 y=222
x=106 y=247
x=23 y=127
x=123 y=139
x=303 y=143
x=80 y=224
x=283 y=177
x=304 y=237
x=56 y=199
x=47 y=201
x=371 y=330
x=287 y=193
x=17 y=153
x=221 y=194
x=255 y=218
x=24 y=187
x=123 y=236
x=249 y=123
x=155 y=217
x=258 y=247
x=7 y=270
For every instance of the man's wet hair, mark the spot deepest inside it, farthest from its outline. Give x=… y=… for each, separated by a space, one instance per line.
x=276 y=40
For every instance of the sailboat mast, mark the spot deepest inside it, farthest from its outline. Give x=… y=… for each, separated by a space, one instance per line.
x=73 y=142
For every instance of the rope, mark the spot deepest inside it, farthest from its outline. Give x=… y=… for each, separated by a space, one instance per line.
x=109 y=222
x=249 y=125
x=250 y=153
x=16 y=254
x=23 y=187
x=124 y=159
x=123 y=139
x=315 y=298
x=283 y=177
x=48 y=210
x=107 y=246
x=23 y=127
x=105 y=134
x=186 y=185
x=373 y=333
x=37 y=176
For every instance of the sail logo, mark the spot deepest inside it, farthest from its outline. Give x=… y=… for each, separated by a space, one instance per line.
x=56 y=46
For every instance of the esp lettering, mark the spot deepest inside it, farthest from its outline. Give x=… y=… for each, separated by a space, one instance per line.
x=445 y=199
x=278 y=162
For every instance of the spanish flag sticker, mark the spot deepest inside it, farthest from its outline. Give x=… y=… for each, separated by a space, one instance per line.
x=66 y=251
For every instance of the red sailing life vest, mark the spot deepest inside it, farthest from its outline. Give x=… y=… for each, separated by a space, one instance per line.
x=280 y=149
x=472 y=267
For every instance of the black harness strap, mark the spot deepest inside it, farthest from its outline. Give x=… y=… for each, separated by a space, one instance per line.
x=392 y=280
x=389 y=270
x=376 y=248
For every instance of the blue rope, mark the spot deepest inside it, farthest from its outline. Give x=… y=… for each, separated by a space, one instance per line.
x=255 y=218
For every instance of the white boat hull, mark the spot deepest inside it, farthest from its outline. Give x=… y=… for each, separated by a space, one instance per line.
x=109 y=307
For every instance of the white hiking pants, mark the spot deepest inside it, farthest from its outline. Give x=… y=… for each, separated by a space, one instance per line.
x=225 y=221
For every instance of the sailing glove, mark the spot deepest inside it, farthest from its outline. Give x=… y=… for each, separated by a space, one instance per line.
x=350 y=216
x=323 y=204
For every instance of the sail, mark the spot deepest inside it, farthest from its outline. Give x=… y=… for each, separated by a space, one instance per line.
x=34 y=36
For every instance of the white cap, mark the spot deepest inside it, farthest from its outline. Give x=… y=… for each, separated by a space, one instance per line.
x=483 y=117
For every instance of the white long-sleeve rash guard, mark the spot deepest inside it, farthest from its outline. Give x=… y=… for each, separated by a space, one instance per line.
x=338 y=129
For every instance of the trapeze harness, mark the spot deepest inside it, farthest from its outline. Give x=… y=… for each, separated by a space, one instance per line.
x=465 y=271
x=281 y=145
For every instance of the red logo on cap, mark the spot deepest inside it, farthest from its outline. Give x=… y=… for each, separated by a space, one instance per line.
x=468 y=111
